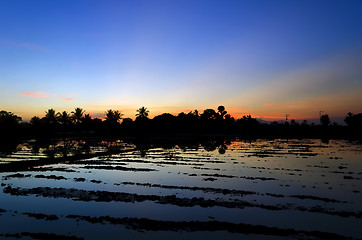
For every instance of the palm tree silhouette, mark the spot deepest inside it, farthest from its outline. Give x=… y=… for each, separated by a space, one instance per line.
x=77 y=115
x=87 y=117
x=142 y=113
x=51 y=116
x=64 y=118
x=113 y=116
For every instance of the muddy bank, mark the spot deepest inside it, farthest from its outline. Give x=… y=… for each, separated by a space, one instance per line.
x=27 y=165
x=41 y=236
x=42 y=216
x=317 y=198
x=234 y=192
x=144 y=224
x=120 y=168
x=54 y=177
x=232 y=176
x=167 y=162
x=104 y=196
x=16 y=175
x=204 y=189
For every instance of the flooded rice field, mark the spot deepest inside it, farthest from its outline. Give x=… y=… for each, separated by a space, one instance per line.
x=217 y=189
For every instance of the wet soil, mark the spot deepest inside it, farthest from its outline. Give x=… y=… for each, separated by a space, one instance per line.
x=105 y=196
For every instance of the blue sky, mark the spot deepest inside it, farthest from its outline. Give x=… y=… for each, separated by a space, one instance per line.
x=264 y=58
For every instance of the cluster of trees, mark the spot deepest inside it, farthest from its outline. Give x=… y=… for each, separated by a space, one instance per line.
x=114 y=117
x=9 y=123
x=354 y=120
x=210 y=120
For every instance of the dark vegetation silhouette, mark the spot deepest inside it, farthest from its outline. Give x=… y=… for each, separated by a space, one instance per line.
x=113 y=118
x=325 y=120
x=354 y=120
x=78 y=123
x=142 y=114
x=9 y=123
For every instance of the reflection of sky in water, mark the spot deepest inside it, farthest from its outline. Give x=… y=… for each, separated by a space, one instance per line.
x=294 y=167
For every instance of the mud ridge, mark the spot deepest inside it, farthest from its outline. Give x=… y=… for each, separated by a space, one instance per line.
x=234 y=192
x=204 y=189
x=41 y=236
x=42 y=216
x=120 y=168
x=104 y=196
x=231 y=176
x=144 y=224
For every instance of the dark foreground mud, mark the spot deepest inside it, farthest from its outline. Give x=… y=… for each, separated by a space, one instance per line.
x=144 y=224
x=234 y=192
x=40 y=236
x=105 y=196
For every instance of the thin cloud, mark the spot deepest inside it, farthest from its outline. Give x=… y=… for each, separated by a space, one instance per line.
x=67 y=99
x=35 y=94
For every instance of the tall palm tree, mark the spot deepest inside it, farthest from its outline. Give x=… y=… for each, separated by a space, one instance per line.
x=142 y=113
x=87 y=120
x=51 y=116
x=113 y=116
x=87 y=117
x=77 y=115
x=64 y=118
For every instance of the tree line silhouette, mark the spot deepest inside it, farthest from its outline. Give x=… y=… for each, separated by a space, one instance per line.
x=212 y=121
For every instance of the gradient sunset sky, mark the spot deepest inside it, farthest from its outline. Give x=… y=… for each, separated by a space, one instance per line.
x=264 y=58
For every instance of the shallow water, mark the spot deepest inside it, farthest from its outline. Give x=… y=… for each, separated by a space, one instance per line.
x=263 y=189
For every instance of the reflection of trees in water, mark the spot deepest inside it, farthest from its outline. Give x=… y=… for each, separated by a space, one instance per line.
x=72 y=147
x=68 y=147
x=191 y=146
x=113 y=147
x=222 y=149
x=219 y=144
x=7 y=149
x=143 y=152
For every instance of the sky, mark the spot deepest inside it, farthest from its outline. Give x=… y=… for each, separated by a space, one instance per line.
x=265 y=58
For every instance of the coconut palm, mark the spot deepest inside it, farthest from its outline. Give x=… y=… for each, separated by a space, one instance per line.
x=87 y=118
x=64 y=118
x=113 y=116
x=51 y=116
x=142 y=113
x=77 y=115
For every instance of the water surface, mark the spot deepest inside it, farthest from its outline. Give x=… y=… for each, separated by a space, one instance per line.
x=262 y=189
